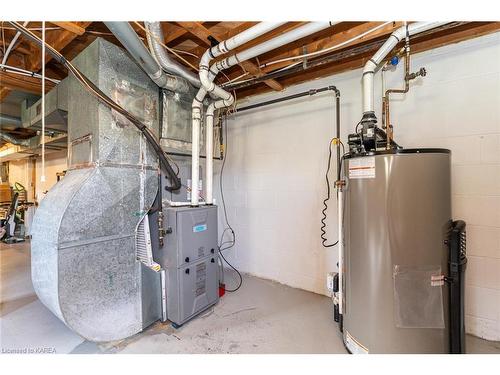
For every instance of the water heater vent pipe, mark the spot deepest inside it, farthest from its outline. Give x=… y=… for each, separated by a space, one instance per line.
x=373 y=63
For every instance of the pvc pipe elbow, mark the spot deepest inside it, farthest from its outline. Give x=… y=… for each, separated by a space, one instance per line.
x=369 y=67
x=211 y=109
x=196 y=106
x=206 y=81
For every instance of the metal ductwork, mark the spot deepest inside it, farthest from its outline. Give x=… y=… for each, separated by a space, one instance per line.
x=15 y=141
x=56 y=110
x=84 y=262
x=10 y=120
x=26 y=148
x=162 y=57
x=129 y=39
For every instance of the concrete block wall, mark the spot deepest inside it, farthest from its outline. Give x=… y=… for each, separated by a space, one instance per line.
x=274 y=178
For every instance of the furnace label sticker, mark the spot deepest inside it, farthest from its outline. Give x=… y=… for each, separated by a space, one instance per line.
x=200 y=228
x=363 y=167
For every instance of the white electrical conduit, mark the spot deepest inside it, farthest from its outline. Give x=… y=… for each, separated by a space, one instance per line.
x=227 y=98
x=42 y=177
x=372 y=64
x=12 y=44
x=27 y=73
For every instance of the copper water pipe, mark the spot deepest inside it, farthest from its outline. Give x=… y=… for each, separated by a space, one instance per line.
x=385 y=99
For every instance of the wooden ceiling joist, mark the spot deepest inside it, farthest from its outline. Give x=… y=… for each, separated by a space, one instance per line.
x=172 y=32
x=4 y=91
x=33 y=85
x=71 y=27
x=193 y=37
x=463 y=33
x=58 y=40
x=333 y=40
x=203 y=34
x=19 y=48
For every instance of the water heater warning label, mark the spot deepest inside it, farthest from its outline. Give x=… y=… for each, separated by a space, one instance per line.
x=362 y=167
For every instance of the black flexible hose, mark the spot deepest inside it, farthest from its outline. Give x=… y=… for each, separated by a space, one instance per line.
x=325 y=204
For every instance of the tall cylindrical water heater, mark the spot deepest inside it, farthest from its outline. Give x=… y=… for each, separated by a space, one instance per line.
x=396 y=223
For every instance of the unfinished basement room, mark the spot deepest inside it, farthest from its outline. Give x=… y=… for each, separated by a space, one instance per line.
x=245 y=185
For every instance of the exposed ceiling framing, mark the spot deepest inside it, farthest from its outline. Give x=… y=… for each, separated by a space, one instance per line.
x=195 y=37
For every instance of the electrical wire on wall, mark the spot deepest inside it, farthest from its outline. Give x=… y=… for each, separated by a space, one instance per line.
x=328 y=191
x=228 y=244
x=94 y=90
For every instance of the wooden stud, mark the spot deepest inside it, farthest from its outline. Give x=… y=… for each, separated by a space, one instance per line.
x=58 y=40
x=71 y=27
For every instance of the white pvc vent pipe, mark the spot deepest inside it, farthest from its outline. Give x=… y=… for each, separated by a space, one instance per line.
x=226 y=99
x=223 y=47
x=372 y=64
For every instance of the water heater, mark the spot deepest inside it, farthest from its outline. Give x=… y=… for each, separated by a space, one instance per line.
x=397 y=275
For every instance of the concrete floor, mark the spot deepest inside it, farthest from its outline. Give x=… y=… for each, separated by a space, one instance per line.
x=261 y=317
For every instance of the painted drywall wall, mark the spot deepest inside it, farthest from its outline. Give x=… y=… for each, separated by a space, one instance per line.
x=54 y=163
x=274 y=178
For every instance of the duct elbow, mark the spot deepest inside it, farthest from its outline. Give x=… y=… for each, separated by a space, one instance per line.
x=154 y=34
